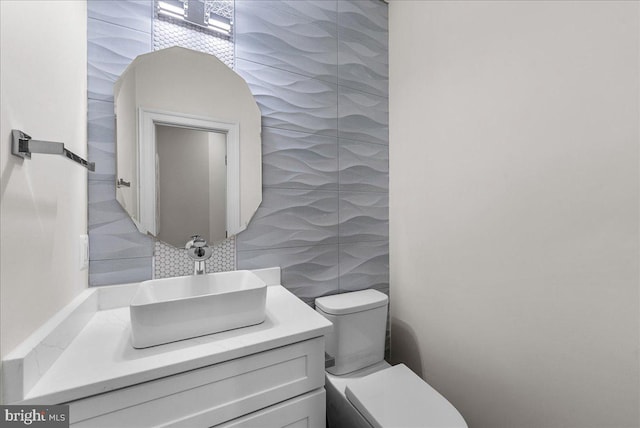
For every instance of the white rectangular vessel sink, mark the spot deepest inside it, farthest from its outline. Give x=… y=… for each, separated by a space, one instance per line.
x=171 y=309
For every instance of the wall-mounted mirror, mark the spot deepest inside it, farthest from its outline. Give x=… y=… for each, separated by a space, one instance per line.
x=188 y=146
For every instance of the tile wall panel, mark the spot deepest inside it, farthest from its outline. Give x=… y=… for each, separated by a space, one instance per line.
x=309 y=10
x=110 y=49
x=363 y=166
x=133 y=14
x=299 y=160
x=292 y=217
x=292 y=54
x=308 y=272
x=119 y=271
x=363 y=60
x=290 y=100
x=112 y=234
x=364 y=265
x=364 y=216
x=287 y=36
x=101 y=137
x=362 y=116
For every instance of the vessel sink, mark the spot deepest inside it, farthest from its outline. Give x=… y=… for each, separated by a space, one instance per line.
x=171 y=309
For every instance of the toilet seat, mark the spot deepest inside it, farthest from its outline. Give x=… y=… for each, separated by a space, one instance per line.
x=396 y=397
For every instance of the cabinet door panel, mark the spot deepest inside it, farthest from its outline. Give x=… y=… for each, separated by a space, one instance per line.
x=210 y=395
x=306 y=411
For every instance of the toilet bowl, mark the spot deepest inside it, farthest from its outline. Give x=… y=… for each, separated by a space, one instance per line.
x=363 y=390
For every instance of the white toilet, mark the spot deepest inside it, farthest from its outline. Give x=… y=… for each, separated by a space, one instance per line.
x=363 y=390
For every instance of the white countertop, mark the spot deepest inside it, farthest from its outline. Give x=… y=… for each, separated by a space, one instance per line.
x=101 y=358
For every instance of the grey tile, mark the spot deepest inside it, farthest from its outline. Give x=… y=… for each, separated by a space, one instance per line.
x=298 y=160
x=100 y=191
x=364 y=216
x=369 y=14
x=117 y=241
x=136 y=15
x=101 y=124
x=105 y=161
x=112 y=234
x=307 y=11
x=362 y=116
x=363 y=61
x=364 y=265
x=363 y=166
x=101 y=136
x=290 y=218
x=119 y=271
x=283 y=35
x=291 y=101
x=110 y=49
x=308 y=272
x=103 y=207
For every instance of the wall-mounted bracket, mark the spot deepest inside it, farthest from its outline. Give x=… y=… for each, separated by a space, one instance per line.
x=122 y=183
x=23 y=146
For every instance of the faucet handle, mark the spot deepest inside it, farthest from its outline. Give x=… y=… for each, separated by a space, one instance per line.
x=196 y=241
x=198 y=251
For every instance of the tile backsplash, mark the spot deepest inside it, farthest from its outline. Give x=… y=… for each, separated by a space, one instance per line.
x=169 y=261
x=318 y=71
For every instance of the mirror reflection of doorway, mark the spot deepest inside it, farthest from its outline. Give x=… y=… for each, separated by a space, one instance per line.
x=191 y=184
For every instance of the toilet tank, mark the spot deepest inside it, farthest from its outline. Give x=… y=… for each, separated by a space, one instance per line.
x=359 y=328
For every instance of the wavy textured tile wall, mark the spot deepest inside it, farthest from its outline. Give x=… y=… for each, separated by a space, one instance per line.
x=290 y=100
x=363 y=166
x=133 y=14
x=299 y=160
x=363 y=60
x=294 y=36
x=364 y=265
x=318 y=70
x=110 y=49
x=308 y=272
x=292 y=218
x=364 y=216
x=362 y=116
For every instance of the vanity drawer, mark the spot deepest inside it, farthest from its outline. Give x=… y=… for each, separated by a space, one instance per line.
x=306 y=411
x=210 y=395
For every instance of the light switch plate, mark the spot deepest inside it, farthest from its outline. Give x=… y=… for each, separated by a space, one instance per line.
x=83 y=247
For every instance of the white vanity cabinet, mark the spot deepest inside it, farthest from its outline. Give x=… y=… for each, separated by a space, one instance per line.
x=281 y=387
x=262 y=376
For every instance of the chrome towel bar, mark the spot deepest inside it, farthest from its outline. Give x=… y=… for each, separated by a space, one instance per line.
x=23 y=146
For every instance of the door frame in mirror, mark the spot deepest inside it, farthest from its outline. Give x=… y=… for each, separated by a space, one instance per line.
x=147 y=203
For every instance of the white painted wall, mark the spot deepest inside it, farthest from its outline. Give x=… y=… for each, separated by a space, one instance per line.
x=514 y=220
x=43 y=212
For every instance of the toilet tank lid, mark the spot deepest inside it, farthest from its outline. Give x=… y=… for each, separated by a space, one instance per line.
x=348 y=303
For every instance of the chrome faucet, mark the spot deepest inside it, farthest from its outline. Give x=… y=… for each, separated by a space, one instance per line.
x=199 y=252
